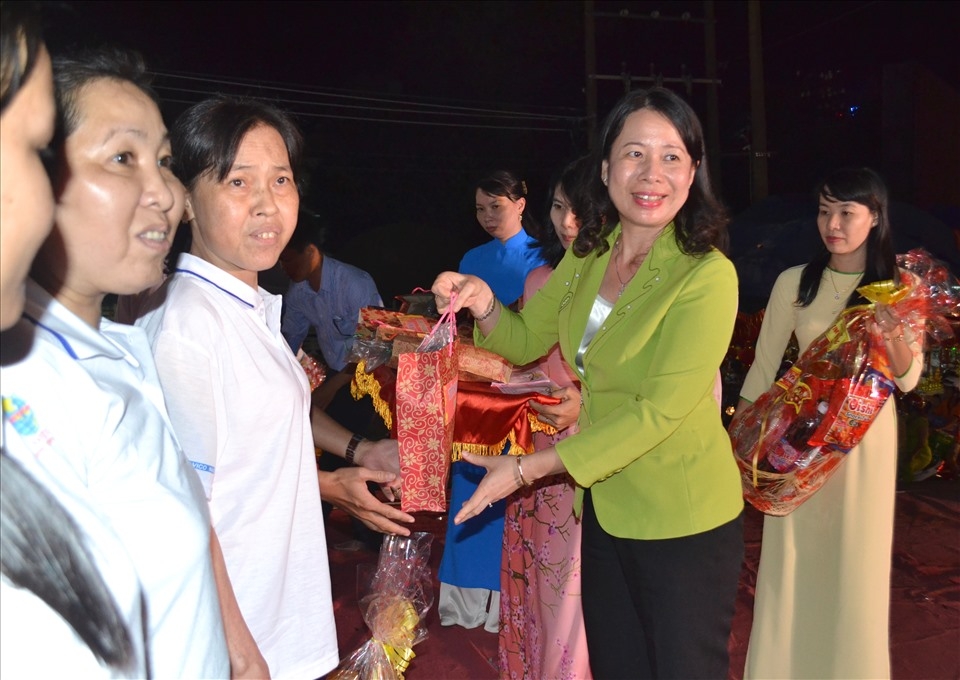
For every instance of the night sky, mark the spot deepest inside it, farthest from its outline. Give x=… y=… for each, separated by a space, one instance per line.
x=406 y=104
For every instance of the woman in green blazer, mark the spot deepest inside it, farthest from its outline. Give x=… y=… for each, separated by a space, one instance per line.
x=643 y=308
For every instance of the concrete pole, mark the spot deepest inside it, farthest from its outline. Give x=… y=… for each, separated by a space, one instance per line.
x=590 y=53
x=713 y=106
x=759 y=186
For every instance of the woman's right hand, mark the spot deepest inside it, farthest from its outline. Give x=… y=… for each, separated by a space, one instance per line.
x=472 y=292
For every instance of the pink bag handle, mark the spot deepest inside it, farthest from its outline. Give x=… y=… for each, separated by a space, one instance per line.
x=449 y=318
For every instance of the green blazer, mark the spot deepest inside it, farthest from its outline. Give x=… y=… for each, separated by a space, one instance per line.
x=651 y=447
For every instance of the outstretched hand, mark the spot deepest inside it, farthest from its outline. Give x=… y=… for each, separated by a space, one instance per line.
x=500 y=481
x=346 y=488
x=471 y=292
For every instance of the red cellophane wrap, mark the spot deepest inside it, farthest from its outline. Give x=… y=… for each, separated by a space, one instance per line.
x=426 y=402
x=793 y=437
x=398 y=596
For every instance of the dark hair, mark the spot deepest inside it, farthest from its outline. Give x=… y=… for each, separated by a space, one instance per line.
x=43 y=551
x=19 y=33
x=866 y=187
x=308 y=232
x=700 y=225
x=570 y=180
x=73 y=72
x=206 y=136
x=41 y=548
x=507 y=184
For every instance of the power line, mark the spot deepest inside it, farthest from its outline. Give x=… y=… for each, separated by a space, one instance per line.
x=452 y=109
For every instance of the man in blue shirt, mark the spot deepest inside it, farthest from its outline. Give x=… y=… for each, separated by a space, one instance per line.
x=327 y=295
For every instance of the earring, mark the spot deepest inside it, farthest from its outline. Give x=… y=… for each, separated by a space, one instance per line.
x=521 y=217
x=604 y=180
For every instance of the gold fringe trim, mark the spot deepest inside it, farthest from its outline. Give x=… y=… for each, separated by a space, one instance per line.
x=479 y=449
x=538 y=425
x=365 y=385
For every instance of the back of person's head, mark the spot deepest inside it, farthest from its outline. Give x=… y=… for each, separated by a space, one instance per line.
x=309 y=232
x=20 y=44
x=206 y=136
x=866 y=187
x=700 y=225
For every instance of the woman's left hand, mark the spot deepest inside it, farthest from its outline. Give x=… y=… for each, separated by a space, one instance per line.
x=886 y=322
x=562 y=415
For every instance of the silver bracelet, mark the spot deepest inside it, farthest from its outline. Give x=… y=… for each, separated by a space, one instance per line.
x=486 y=314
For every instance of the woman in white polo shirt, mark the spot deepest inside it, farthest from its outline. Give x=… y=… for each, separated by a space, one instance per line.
x=240 y=401
x=102 y=433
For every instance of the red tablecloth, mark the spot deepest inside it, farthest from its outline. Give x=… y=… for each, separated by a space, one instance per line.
x=486 y=418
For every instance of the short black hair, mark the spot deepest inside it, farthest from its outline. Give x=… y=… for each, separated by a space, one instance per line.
x=75 y=71
x=309 y=231
x=206 y=136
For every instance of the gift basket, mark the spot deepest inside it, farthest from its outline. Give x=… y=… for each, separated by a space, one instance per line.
x=397 y=597
x=793 y=437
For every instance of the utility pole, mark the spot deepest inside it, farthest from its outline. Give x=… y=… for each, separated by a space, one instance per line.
x=759 y=186
x=590 y=51
x=713 y=105
x=655 y=79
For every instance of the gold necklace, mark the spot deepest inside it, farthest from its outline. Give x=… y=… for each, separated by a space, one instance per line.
x=836 y=291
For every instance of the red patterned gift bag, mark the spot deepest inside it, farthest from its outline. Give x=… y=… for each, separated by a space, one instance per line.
x=426 y=401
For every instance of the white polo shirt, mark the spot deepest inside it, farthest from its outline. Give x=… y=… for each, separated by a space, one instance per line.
x=240 y=405
x=107 y=439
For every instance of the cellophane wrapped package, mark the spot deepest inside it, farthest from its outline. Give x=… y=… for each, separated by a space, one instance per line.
x=793 y=437
x=398 y=596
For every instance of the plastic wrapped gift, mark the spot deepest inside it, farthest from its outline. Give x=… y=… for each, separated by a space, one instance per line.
x=398 y=596
x=791 y=440
x=316 y=372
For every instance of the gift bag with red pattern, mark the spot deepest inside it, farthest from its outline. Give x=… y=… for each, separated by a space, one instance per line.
x=426 y=401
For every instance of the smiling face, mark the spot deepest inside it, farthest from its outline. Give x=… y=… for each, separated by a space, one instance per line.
x=26 y=201
x=243 y=223
x=499 y=216
x=119 y=203
x=564 y=221
x=649 y=171
x=844 y=227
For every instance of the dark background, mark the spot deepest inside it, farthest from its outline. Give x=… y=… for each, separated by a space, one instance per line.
x=406 y=104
